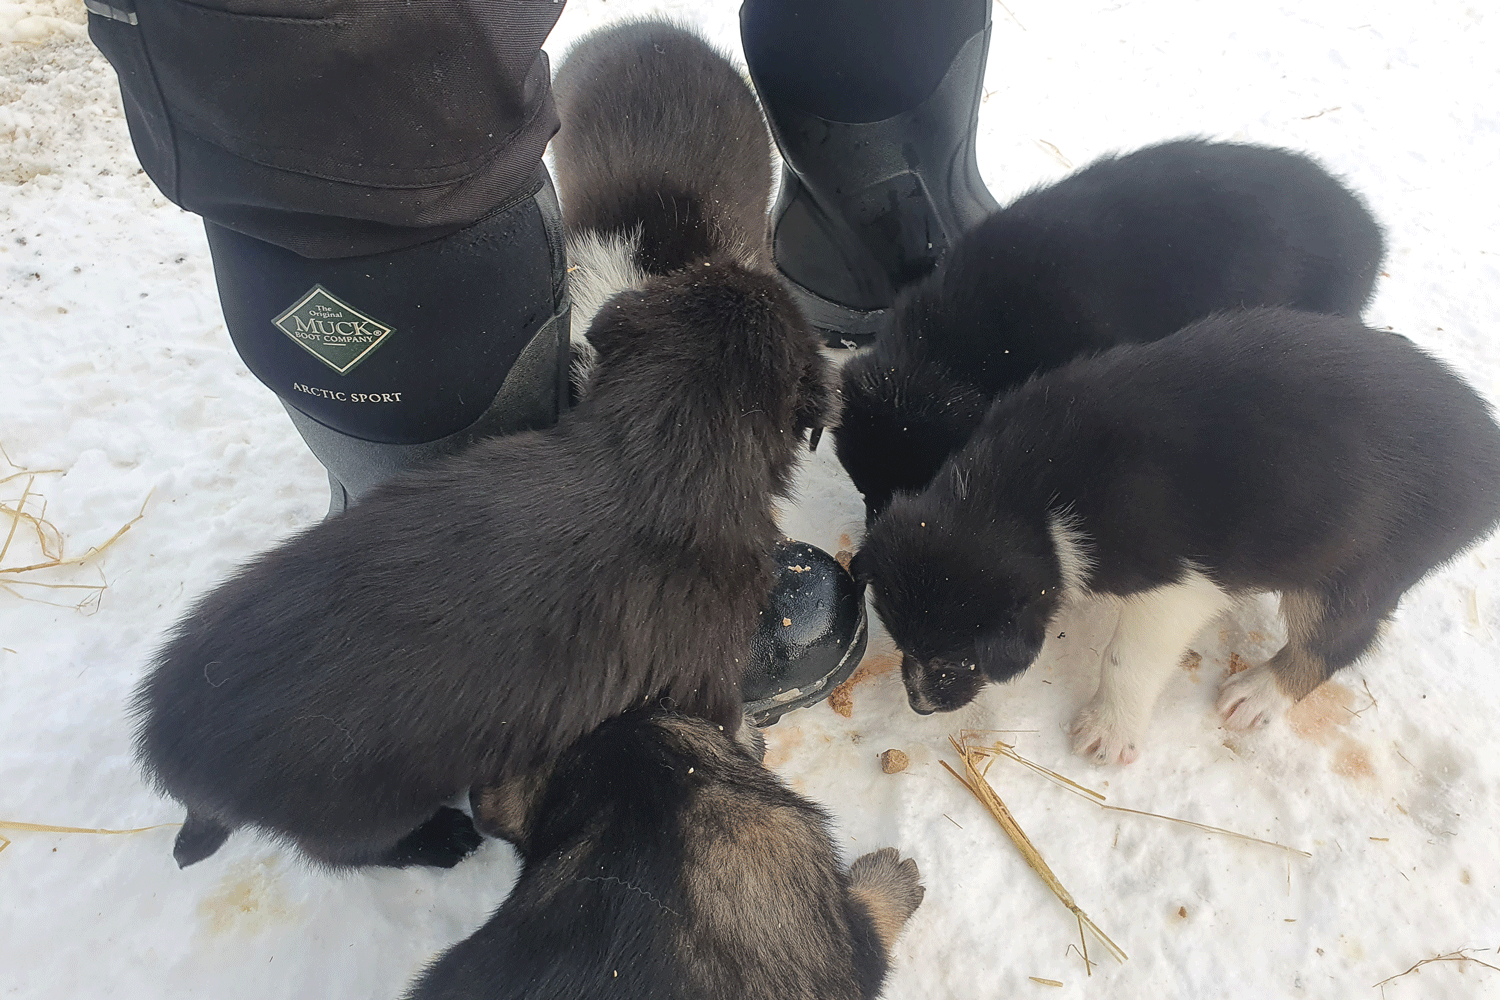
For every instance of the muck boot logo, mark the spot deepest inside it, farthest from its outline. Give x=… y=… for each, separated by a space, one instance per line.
x=335 y=332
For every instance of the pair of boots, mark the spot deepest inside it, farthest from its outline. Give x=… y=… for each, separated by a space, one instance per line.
x=865 y=207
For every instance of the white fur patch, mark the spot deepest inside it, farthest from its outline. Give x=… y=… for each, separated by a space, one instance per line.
x=1071 y=545
x=1154 y=629
x=1251 y=698
x=600 y=266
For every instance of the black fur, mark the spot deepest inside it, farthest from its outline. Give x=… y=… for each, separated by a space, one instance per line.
x=1270 y=450
x=661 y=134
x=1128 y=249
x=465 y=623
x=664 y=863
x=477 y=616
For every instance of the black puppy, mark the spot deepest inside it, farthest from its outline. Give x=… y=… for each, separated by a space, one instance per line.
x=663 y=159
x=1264 y=450
x=1128 y=249
x=464 y=624
x=660 y=861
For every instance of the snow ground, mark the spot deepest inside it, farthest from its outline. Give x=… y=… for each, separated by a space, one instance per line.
x=116 y=370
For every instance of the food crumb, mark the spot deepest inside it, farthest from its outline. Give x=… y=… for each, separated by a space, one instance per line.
x=894 y=761
x=786 y=621
x=842 y=701
x=843 y=557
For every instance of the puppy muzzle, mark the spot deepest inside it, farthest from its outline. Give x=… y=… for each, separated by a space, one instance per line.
x=911 y=673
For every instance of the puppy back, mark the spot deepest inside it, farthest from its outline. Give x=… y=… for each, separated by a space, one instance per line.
x=1127 y=249
x=1273 y=447
x=665 y=863
x=661 y=135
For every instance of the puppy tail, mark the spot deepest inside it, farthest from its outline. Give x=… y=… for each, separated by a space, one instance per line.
x=198 y=838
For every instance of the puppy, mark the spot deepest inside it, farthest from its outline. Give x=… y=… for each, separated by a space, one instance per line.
x=1126 y=250
x=663 y=160
x=1263 y=450
x=660 y=861
x=465 y=623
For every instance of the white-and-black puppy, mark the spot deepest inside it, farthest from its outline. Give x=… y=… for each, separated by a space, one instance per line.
x=663 y=159
x=466 y=622
x=1128 y=249
x=1254 y=451
x=660 y=861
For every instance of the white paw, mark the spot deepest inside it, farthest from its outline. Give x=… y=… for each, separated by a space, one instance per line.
x=1103 y=736
x=1251 y=698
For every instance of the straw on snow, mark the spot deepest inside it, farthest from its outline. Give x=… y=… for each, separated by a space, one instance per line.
x=49 y=541
x=1004 y=749
x=7 y=824
x=1452 y=956
x=981 y=790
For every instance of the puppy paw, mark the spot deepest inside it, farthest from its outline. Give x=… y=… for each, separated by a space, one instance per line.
x=441 y=842
x=890 y=888
x=1101 y=735
x=884 y=872
x=1251 y=698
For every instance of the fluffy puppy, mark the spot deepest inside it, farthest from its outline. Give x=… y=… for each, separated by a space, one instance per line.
x=465 y=623
x=660 y=861
x=663 y=160
x=1263 y=450
x=1128 y=249
x=471 y=619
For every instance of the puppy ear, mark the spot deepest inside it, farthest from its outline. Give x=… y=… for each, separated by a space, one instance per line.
x=508 y=808
x=614 y=326
x=1006 y=651
x=860 y=568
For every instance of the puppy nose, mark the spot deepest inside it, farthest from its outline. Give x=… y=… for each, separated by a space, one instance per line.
x=922 y=709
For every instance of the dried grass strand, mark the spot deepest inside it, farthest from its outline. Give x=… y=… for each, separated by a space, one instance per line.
x=50 y=541
x=1208 y=829
x=1007 y=750
x=1452 y=956
x=40 y=526
x=16 y=515
x=52 y=586
x=981 y=790
x=10 y=824
x=91 y=553
x=93 y=550
x=91 y=599
x=29 y=472
x=17 y=825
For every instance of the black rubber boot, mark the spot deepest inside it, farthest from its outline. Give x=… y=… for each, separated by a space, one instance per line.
x=387 y=360
x=877 y=181
x=812 y=635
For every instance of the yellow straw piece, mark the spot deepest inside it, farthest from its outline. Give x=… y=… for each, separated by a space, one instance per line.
x=986 y=795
